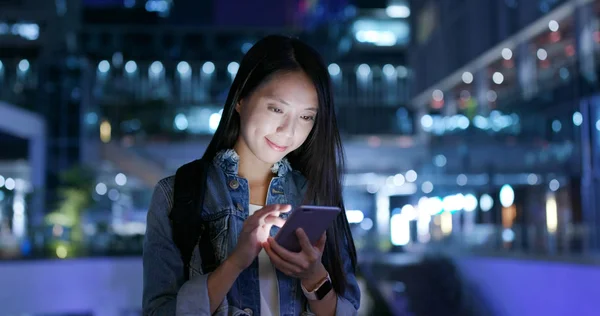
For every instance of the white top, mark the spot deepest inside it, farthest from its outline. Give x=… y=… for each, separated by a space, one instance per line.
x=269 y=289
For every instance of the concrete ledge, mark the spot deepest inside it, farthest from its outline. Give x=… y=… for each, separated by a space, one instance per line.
x=101 y=286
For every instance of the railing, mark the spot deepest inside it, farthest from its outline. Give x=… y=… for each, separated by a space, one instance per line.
x=133 y=163
x=207 y=82
x=569 y=243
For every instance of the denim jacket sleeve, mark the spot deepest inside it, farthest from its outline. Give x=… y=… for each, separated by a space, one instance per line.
x=348 y=303
x=165 y=292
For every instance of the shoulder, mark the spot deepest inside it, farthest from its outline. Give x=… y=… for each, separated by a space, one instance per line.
x=163 y=193
x=164 y=190
x=167 y=184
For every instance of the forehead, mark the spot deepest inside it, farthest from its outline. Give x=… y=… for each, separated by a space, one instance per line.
x=294 y=88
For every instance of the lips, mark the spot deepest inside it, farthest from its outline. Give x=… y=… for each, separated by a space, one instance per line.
x=275 y=146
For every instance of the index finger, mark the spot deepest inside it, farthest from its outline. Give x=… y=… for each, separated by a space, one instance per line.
x=273 y=210
x=303 y=239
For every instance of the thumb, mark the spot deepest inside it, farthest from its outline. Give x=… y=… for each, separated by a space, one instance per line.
x=321 y=242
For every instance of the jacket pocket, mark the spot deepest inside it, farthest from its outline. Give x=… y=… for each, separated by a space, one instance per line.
x=218 y=233
x=218 y=225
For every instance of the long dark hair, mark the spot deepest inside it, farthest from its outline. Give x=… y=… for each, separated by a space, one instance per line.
x=321 y=158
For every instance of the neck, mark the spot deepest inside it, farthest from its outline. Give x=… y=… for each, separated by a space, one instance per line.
x=250 y=167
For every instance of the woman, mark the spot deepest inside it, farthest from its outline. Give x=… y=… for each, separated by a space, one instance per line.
x=277 y=147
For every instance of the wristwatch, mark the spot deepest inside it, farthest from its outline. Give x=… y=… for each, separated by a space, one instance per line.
x=320 y=291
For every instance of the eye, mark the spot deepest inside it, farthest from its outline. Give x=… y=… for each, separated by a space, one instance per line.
x=275 y=109
x=308 y=118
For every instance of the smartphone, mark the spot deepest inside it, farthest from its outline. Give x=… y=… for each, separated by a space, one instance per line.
x=314 y=220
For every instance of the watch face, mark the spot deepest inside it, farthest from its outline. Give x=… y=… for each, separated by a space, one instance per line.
x=324 y=290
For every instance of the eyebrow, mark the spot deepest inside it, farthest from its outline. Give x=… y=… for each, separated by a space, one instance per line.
x=282 y=101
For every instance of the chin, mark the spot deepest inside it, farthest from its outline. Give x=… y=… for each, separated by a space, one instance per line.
x=272 y=158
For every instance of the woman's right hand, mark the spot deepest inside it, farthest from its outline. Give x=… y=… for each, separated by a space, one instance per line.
x=255 y=232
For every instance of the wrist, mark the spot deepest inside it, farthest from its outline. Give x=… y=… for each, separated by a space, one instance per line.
x=312 y=281
x=231 y=267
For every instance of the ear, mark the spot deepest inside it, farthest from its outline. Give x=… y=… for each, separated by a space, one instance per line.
x=238 y=106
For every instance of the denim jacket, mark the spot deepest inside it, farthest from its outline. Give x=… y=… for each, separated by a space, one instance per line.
x=225 y=209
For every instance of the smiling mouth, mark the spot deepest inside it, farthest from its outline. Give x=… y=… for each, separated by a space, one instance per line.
x=275 y=146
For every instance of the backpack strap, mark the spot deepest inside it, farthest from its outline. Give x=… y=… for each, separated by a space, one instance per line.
x=188 y=227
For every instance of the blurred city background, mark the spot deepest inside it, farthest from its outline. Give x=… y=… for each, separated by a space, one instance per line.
x=471 y=129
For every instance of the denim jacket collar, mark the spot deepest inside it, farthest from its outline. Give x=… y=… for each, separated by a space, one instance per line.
x=228 y=160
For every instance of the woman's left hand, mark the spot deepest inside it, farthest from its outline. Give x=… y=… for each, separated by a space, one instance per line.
x=305 y=265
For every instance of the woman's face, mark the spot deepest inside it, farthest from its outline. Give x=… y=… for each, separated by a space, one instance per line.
x=278 y=116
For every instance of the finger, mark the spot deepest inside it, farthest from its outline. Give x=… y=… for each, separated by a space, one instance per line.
x=274 y=210
x=268 y=222
x=258 y=218
x=304 y=241
x=280 y=263
x=274 y=220
x=285 y=254
x=250 y=226
x=281 y=208
x=321 y=242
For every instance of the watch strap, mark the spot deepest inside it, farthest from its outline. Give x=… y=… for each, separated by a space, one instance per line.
x=321 y=290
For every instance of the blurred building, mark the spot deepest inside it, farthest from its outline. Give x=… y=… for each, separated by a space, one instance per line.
x=506 y=92
x=130 y=90
x=39 y=80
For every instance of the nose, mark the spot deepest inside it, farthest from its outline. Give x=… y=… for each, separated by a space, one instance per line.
x=287 y=127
